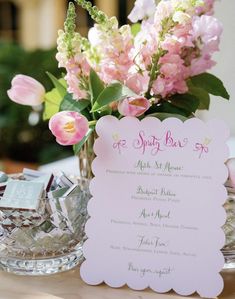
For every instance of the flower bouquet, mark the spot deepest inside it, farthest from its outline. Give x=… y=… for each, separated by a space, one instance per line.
x=156 y=67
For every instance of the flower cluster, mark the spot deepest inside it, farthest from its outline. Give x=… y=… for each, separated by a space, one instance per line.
x=155 y=67
x=71 y=56
x=176 y=41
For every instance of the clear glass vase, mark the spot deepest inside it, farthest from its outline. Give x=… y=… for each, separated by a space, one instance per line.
x=86 y=156
x=47 y=242
x=229 y=229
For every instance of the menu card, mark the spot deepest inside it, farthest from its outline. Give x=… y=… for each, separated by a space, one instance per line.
x=157 y=206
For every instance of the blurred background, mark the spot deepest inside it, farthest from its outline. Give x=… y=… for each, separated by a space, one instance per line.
x=28 y=32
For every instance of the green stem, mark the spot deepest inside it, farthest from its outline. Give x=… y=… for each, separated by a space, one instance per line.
x=92 y=123
x=97 y=15
x=154 y=72
x=167 y=25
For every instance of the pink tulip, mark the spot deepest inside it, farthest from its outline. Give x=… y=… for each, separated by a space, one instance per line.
x=231 y=169
x=26 y=91
x=68 y=127
x=133 y=106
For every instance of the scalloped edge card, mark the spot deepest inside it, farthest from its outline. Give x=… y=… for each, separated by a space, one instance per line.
x=157 y=213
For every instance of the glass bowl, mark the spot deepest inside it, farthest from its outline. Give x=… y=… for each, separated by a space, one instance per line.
x=47 y=241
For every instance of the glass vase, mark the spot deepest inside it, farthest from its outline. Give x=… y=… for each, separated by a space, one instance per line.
x=86 y=156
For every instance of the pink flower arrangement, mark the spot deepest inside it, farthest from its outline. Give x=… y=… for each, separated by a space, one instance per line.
x=156 y=66
x=175 y=42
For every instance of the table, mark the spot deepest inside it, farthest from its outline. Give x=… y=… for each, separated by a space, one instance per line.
x=68 y=285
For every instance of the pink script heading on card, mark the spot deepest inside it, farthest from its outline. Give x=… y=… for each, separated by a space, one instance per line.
x=158 y=144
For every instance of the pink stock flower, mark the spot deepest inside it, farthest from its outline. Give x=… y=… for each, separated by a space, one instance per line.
x=168 y=87
x=145 y=46
x=78 y=70
x=164 y=11
x=74 y=86
x=183 y=34
x=68 y=127
x=201 y=65
x=181 y=17
x=207 y=8
x=133 y=106
x=116 y=61
x=183 y=30
x=231 y=168
x=94 y=36
x=74 y=60
x=209 y=30
x=114 y=51
x=173 y=75
x=172 y=44
x=142 y=9
x=26 y=91
x=206 y=30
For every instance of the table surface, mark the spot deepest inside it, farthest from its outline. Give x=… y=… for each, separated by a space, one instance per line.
x=68 y=285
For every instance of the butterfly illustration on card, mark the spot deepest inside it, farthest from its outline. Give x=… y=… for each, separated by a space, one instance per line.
x=119 y=143
x=203 y=147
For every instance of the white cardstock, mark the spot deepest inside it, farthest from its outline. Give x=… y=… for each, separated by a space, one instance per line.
x=157 y=213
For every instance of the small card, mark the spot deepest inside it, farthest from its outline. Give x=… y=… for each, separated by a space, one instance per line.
x=3 y=177
x=22 y=195
x=63 y=181
x=157 y=206
x=54 y=204
x=2 y=188
x=30 y=174
x=46 y=179
x=70 y=206
x=57 y=193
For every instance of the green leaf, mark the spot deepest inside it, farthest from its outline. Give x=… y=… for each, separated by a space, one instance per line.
x=107 y=111
x=167 y=107
x=186 y=101
x=135 y=29
x=52 y=104
x=58 y=84
x=201 y=94
x=96 y=107
x=163 y=116
x=69 y=104
x=114 y=92
x=211 y=84
x=77 y=147
x=96 y=85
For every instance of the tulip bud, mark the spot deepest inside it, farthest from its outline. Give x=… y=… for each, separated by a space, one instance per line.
x=26 y=91
x=133 y=106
